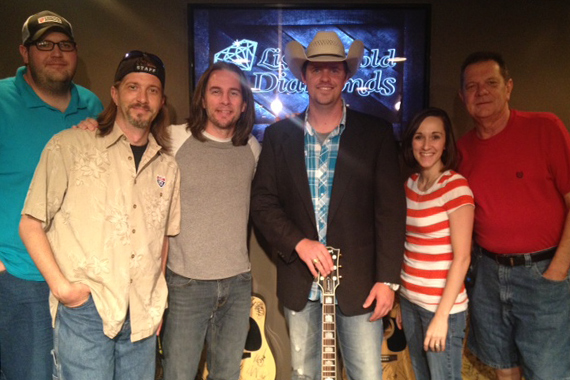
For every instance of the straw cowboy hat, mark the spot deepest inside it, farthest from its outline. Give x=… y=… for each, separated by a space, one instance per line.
x=325 y=47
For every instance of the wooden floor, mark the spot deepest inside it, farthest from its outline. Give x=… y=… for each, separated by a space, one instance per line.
x=473 y=369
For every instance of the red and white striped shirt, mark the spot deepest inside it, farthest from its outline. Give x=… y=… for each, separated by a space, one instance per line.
x=428 y=252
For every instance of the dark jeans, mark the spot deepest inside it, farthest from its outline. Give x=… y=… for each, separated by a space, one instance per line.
x=26 y=335
x=215 y=311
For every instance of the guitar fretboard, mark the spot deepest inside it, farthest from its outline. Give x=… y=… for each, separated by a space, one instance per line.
x=328 y=286
x=329 y=338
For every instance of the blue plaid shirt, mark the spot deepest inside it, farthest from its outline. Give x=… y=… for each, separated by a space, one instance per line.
x=320 y=160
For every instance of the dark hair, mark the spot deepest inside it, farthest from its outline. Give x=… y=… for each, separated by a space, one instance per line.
x=484 y=56
x=158 y=128
x=306 y=63
x=449 y=156
x=199 y=118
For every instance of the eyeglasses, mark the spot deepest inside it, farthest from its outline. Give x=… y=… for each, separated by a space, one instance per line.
x=141 y=54
x=46 y=45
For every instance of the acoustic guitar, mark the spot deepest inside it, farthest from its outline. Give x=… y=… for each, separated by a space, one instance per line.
x=258 y=362
x=396 y=362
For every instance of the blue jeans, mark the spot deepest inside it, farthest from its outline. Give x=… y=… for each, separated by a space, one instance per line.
x=26 y=335
x=215 y=311
x=360 y=343
x=519 y=318
x=84 y=352
x=428 y=364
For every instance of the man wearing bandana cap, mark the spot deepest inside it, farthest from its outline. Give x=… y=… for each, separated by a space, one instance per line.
x=38 y=102
x=95 y=220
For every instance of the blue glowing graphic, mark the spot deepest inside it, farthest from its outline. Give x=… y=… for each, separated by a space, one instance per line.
x=241 y=53
x=391 y=82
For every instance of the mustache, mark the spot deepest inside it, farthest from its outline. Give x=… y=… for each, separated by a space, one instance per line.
x=140 y=105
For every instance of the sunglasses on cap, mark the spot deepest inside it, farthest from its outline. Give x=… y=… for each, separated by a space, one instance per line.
x=141 y=54
x=139 y=61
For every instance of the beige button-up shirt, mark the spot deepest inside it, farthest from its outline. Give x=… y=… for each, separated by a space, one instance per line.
x=106 y=222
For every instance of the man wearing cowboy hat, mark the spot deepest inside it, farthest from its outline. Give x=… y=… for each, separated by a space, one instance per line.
x=299 y=211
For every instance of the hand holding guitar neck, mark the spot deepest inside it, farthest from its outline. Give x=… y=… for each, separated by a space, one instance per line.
x=316 y=256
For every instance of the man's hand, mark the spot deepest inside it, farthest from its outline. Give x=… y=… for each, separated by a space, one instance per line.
x=316 y=256
x=2 y=267
x=384 y=297
x=87 y=124
x=554 y=274
x=72 y=294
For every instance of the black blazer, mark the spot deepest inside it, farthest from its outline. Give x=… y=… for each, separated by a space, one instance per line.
x=367 y=208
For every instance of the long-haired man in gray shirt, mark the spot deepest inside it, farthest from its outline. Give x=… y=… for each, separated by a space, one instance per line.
x=208 y=274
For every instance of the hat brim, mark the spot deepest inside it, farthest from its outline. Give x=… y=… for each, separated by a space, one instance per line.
x=295 y=57
x=49 y=29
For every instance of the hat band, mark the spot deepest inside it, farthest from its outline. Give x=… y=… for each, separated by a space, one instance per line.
x=325 y=55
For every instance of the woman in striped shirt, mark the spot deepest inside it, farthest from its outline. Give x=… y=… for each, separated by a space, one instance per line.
x=437 y=250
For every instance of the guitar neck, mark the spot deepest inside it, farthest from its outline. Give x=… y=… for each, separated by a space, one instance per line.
x=328 y=364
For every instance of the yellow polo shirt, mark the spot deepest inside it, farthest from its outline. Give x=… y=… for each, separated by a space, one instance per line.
x=106 y=222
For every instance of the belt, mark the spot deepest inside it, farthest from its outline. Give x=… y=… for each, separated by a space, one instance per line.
x=520 y=259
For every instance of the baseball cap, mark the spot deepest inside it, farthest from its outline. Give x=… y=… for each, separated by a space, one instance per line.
x=137 y=61
x=46 y=21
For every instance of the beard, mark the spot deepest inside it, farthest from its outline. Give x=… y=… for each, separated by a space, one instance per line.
x=54 y=83
x=139 y=122
x=227 y=124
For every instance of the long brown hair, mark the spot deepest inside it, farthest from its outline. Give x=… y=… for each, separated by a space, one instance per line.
x=158 y=127
x=198 y=118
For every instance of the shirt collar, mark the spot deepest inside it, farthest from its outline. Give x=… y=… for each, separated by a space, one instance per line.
x=117 y=134
x=216 y=139
x=32 y=100
x=339 y=128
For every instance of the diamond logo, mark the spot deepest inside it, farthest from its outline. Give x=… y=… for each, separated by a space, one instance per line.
x=241 y=53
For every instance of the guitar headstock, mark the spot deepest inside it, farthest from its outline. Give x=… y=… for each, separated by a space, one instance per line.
x=329 y=283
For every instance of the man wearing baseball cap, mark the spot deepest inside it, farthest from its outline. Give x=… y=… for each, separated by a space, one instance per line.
x=40 y=101
x=94 y=222
x=330 y=177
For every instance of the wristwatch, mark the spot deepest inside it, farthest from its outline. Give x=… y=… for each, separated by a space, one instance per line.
x=393 y=287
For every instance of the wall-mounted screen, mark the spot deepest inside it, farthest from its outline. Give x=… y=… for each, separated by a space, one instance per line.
x=392 y=81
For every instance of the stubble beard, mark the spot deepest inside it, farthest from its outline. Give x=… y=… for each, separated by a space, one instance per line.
x=230 y=124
